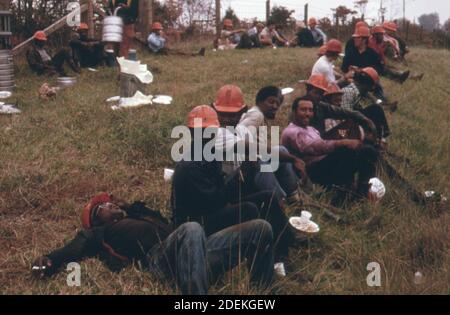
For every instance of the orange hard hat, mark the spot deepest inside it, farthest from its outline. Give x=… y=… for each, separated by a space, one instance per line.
x=362 y=31
x=361 y=23
x=157 y=26
x=333 y=45
x=228 y=22
x=378 y=29
x=86 y=215
x=318 y=81
x=372 y=73
x=390 y=26
x=83 y=27
x=312 y=21
x=230 y=99
x=203 y=116
x=333 y=88
x=40 y=35
x=322 y=50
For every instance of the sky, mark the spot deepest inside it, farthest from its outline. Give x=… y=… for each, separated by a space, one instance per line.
x=321 y=8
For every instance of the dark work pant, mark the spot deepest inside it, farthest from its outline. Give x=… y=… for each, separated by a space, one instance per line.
x=271 y=210
x=379 y=93
x=187 y=257
x=376 y=114
x=59 y=59
x=252 y=241
x=340 y=167
x=89 y=57
x=230 y=215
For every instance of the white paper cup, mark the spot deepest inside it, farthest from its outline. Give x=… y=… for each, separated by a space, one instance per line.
x=168 y=174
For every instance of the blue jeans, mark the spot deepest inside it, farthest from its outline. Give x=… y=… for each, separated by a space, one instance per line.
x=189 y=258
x=286 y=175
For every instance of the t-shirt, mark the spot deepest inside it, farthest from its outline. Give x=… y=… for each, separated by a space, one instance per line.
x=156 y=42
x=255 y=118
x=44 y=54
x=266 y=33
x=306 y=143
x=319 y=36
x=226 y=141
x=325 y=67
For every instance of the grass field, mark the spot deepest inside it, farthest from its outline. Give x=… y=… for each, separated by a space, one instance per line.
x=57 y=154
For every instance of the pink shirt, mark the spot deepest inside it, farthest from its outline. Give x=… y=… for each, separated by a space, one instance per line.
x=306 y=143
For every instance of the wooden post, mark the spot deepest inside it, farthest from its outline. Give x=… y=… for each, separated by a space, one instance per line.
x=306 y=14
x=407 y=31
x=267 y=11
x=145 y=18
x=218 y=19
x=90 y=19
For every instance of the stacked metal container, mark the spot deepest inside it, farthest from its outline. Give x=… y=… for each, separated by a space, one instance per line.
x=6 y=60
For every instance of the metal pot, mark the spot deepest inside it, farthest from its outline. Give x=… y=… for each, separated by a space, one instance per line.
x=7 y=72
x=6 y=78
x=64 y=82
x=112 y=38
x=6 y=84
x=7 y=67
x=113 y=28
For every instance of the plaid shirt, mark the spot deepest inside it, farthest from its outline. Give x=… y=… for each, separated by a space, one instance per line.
x=351 y=97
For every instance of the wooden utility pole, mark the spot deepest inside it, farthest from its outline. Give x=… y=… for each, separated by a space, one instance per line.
x=306 y=14
x=218 y=19
x=90 y=19
x=267 y=11
x=5 y=5
x=145 y=18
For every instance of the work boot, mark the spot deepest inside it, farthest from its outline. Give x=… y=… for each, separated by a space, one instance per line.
x=404 y=76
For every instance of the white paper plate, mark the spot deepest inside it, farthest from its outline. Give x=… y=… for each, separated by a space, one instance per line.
x=162 y=99
x=287 y=90
x=5 y=94
x=310 y=228
x=113 y=99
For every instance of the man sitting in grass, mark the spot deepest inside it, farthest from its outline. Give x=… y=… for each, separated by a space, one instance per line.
x=157 y=43
x=201 y=193
x=41 y=61
x=268 y=102
x=316 y=87
x=329 y=162
x=87 y=52
x=120 y=234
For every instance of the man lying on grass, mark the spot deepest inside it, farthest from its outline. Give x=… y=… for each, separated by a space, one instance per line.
x=120 y=234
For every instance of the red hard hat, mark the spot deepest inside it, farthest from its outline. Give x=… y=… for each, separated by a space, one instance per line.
x=312 y=21
x=230 y=99
x=333 y=45
x=228 y=22
x=372 y=73
x=361 y=23
x=40 y=35
x=203 y=116
x=157 y=26
x=86 y=215
x=390 y=26
x=362 y=31
x=333 y=88
x=322 y=50
x=83 y=27
x=318 y=81
x=378 y=29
